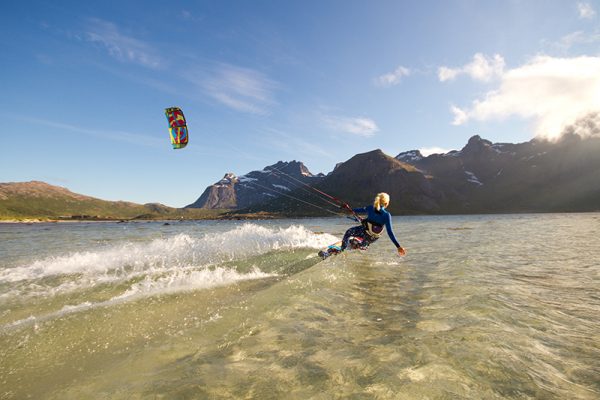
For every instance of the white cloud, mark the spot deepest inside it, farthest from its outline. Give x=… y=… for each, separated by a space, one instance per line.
x=482 y=68
x=393 y=78
x=241 y=89
x=447 y=74
x=460 y=116
x=586 y=11
x=359 y=126
x=122 y=47
x=588 y=125
x=552 y=92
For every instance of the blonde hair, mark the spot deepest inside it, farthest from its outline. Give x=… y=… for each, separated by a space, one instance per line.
x=381 y=200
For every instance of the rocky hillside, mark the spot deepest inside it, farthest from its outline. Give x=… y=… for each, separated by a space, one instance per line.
x=237 y=192
x=361 y=177
x=356 y=181
x=39 y=200
x=37 y=189
x=534 y=176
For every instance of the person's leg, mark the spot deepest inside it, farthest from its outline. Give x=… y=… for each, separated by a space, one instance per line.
x=356 y=231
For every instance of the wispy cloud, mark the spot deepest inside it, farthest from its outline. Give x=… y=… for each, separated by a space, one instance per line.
x=392 y=78
x=187 y=15
x=586 y=11
x=121 y=46
x=153 y=81
x=552 y=92
x=360 y=126
x=120 y=136
x=575 y=38
x=293 y=144
x=482 y=68
x=241 y=89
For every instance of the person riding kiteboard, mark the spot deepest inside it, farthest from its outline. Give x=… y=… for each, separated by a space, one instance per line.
x=369 y=230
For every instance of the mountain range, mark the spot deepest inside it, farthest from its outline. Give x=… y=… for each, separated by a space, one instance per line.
x=482 y=177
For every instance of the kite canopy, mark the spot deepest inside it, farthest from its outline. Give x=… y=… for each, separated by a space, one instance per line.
x=177 y=127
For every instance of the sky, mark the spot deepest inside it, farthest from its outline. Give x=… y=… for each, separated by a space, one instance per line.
x=84 y=85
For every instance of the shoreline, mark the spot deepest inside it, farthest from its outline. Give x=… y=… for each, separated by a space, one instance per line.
x=241 y=217
x=247 y=217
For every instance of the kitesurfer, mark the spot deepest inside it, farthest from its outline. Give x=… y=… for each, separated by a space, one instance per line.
x=372 y=226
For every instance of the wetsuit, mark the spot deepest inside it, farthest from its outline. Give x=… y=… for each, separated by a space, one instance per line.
x=374 y=223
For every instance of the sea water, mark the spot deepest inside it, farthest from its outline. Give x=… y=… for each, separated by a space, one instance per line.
x=481 y=307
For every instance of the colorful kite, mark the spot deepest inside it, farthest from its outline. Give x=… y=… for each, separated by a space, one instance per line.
x=177 y=127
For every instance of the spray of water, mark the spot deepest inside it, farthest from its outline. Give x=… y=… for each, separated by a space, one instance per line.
x=168 y=265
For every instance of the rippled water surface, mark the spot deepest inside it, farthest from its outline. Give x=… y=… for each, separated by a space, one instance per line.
x=482 y=307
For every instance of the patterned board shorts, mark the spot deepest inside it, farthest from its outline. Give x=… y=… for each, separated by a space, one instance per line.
x=357 y=231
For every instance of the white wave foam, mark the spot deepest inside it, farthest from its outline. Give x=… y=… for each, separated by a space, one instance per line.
x=165 y=265
x=190 y=280
x=251 y=239
x=116 y=260
x=161 y=255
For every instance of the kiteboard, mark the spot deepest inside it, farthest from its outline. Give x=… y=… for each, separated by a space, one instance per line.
x=354 y=243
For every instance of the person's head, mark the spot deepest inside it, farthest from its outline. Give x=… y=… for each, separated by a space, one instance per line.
x=381 y=200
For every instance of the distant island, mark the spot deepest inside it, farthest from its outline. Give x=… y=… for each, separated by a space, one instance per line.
x=483 y=177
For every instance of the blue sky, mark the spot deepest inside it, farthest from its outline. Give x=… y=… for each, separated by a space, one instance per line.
x=84 y=85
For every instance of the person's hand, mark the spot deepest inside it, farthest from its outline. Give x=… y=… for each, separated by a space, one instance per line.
x=401 y=251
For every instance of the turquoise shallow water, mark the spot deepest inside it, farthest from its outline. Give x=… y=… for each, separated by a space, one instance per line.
x=494 y=307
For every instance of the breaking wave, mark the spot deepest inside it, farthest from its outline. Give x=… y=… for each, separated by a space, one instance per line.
x=182 y=262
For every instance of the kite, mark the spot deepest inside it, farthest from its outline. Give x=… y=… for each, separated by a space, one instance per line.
x=177 y=127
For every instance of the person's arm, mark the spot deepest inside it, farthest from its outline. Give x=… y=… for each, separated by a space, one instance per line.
x=390 y=232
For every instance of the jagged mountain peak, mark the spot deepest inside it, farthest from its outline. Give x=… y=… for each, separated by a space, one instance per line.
x=256 y=186
x=295 y=168
x=371 y=162
x=229 y=179
x=370 y=155
x=476 y=144
x=410 y=157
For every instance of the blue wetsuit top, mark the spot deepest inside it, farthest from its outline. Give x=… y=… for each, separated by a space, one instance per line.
x=381 y=217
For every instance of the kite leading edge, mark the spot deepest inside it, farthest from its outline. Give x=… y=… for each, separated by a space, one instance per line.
x=177 y=127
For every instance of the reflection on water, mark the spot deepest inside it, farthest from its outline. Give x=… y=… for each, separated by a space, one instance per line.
x=488 y=307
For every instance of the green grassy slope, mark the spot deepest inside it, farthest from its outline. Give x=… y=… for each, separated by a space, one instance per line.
x=38 y=200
